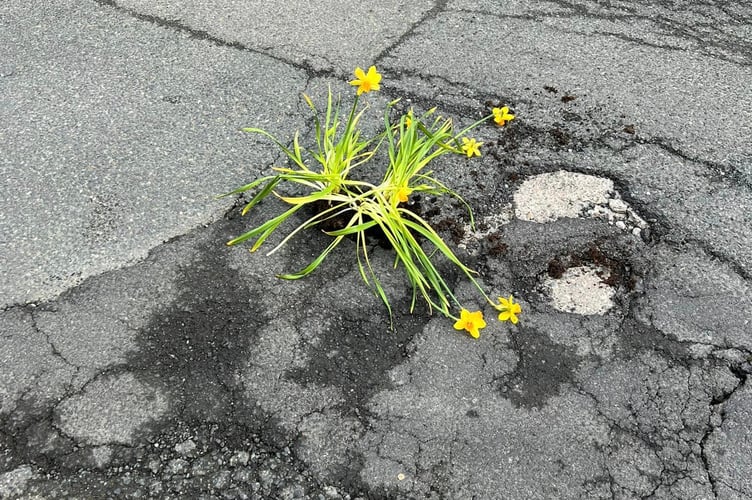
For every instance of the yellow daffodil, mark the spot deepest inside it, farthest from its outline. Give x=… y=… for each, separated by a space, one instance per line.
x=502 y=116
x=409 y=118
x=471 y=147
x=366 y=82
x=403 y=193
x=509 y=309
x=471 y=322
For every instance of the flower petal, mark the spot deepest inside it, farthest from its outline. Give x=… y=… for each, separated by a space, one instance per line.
x=374 y=75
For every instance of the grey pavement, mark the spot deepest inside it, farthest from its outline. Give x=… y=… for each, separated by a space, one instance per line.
x=142 y=358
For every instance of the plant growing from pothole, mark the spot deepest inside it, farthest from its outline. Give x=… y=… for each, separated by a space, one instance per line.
x=344 y=206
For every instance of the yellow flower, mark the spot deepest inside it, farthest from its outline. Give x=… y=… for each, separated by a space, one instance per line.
x=409 y=118
x=509 y=310
x=502 y=116
x=403 y=193
x=471 y=322
x=471 y=147
x=366 y=82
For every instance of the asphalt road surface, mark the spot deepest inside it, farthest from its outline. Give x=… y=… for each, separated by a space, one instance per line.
x=140 y=357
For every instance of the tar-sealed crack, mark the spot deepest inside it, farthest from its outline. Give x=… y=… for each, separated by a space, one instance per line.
x=438 y=7
x=206 y=36
x=714 y=38
x=715 y=422
x=53 y=348
x=717 y=170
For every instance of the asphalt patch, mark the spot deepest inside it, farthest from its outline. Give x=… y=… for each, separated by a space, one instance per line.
x=356 y=355
x=195 y=347
x=542 y=369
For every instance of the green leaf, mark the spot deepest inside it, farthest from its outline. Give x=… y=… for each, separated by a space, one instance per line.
x=245 y=188
x=352 y=229
x=273 y=223
x=261 y=195
x=314 y=263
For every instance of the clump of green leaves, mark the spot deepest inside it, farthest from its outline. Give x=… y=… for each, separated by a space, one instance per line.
x=323 y=174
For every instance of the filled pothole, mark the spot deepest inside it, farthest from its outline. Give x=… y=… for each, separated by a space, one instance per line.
x=581 y=290
x=551 y=196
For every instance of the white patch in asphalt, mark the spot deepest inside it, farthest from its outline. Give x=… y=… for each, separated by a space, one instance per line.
x=551 y=196
x=486 y=226
x=547 y=197
x=581 y=290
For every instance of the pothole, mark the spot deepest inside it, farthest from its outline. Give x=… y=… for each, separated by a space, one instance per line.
x=581 y=290
x=550 y=196
x=618 y=213
x=556 y=195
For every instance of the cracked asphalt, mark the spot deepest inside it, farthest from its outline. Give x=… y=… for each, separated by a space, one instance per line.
x=142 y=358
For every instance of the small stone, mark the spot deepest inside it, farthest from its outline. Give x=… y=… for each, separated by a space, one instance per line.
x=186 y=447
x=266 y=477
x=646 y=234
x=617 y=206
x=101 y=456
x=293 y=492
x=155 y=488
x=154 y=466
x=620 y=224
x=716 y=419
x=637 y=231
x=242 y=475
x=202 y=466
x=177 y=466
x=235 y=494
x=239 y=458
x=332 y=493
x=221 y=480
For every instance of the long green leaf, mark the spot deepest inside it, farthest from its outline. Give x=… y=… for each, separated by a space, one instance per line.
x=314 y=263
x=261 y=195
x=352 y=229
x=276 y=221
x=295 y=158
x=245 y=188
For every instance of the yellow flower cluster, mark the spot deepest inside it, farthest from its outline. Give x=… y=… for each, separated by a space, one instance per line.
x=473 y=322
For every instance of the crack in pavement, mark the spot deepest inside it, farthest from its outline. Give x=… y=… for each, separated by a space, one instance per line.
x=439 y=6
x=718 y=406
x=206 y=36
x=703 y=35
